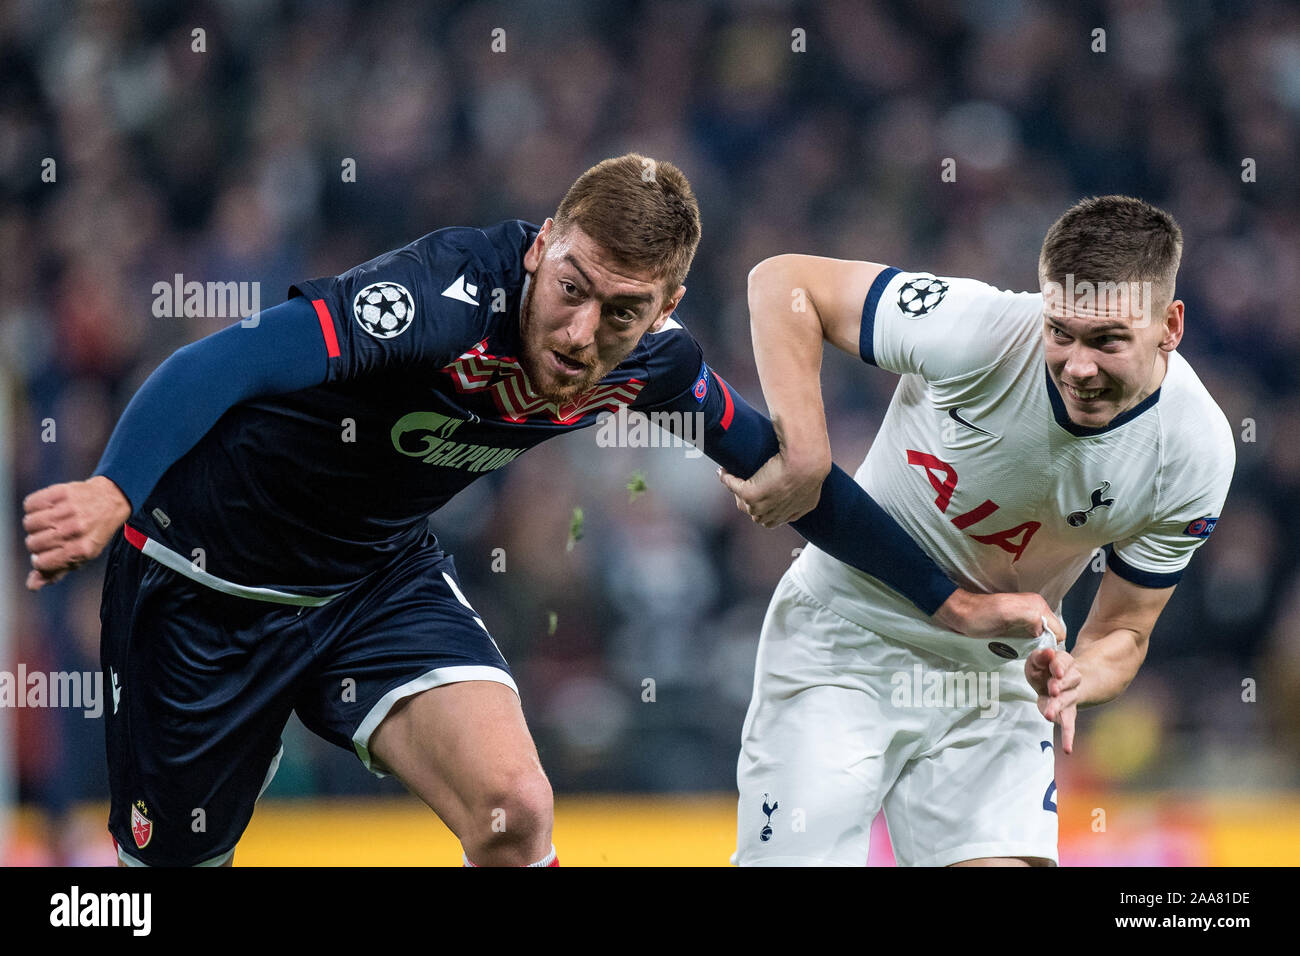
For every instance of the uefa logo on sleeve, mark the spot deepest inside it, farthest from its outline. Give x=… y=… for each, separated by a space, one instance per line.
x=384 y=309
x=921 y=295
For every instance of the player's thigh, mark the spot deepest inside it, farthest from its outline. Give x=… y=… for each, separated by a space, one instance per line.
x=200 y=686
x=821 y=743
x=465 y=749
x=983 y=791
x=411 y=680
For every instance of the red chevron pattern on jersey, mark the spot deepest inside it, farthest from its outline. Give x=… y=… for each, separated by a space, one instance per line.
x=507 y=384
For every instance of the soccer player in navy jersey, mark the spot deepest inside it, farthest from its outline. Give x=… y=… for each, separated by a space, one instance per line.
x=268 y=566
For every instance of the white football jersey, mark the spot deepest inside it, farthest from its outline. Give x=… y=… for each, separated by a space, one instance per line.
x=979 y=462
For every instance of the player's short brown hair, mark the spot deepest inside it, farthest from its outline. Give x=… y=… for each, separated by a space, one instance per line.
x=641 y=211
x=1113 y=239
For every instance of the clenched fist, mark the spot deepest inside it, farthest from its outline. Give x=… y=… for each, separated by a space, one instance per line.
x=998 y=615
x=70 y=524
x=777 y=493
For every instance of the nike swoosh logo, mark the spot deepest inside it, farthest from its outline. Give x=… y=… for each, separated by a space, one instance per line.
x=952 y=413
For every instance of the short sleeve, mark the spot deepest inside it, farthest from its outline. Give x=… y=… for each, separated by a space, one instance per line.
x=672 y=362
x=943 y=328
x=1197 y=490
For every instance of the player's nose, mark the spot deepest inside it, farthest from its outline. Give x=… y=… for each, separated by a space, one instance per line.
x=583 y=322
x=1080 y=366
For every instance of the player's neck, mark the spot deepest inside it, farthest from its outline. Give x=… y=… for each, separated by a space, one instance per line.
x=1158 y=373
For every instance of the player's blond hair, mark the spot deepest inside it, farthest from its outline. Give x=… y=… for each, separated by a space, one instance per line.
x=641 y=211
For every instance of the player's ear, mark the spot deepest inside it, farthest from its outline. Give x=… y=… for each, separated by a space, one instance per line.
x=533 y=257
x=1173 y=326
x=669 y=306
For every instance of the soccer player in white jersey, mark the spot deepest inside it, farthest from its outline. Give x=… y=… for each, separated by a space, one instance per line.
x=1028 y=431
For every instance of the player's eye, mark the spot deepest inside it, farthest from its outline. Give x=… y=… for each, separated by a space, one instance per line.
x=625 y=315
x=1059 y=334
x=569 y=288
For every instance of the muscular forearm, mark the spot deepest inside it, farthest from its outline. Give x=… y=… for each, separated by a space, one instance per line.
x=850 y=526
x=1108 y=664
x=788 y=334
x=847 y=523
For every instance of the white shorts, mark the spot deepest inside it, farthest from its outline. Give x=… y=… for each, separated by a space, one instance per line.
x=844 y=721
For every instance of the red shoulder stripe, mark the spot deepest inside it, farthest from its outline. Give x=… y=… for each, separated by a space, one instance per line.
x=326 y=327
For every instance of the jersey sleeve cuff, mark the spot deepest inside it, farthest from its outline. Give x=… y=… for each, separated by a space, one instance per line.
x=1145 y=579
x=310 y=291
x=866 y=345
x=134 y=497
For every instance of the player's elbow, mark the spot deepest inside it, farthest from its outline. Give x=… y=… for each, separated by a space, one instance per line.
x=776 y=270
x=757 y=286
x=779 y=288
x=761 y=271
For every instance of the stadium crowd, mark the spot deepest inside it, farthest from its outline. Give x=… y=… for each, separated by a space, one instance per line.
x=819 y=128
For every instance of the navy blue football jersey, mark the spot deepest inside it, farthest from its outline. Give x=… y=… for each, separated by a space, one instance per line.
x=311 y=490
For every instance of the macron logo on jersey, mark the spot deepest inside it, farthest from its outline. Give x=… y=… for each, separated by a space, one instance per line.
x=462 y=291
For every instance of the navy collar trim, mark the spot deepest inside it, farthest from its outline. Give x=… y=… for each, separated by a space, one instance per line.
x=1082 y=431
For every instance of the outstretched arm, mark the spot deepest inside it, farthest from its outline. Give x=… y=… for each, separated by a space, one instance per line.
x=69 y=524
x=849 y=525
x=326 y=332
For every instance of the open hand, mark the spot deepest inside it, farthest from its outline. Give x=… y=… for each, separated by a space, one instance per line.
x=998 y=615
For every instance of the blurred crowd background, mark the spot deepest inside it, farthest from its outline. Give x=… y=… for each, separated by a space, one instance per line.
x=226 y=165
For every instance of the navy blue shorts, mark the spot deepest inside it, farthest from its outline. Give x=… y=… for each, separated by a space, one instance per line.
x=202 y=684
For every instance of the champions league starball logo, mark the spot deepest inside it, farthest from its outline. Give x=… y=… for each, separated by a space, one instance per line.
x=921 y=295
x=384 y=309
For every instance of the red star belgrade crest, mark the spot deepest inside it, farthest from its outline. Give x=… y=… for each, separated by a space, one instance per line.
x=141 y=825
x=508 y=386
